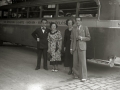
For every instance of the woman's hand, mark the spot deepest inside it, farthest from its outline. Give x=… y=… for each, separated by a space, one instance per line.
x=64 y=48
x=59 y=48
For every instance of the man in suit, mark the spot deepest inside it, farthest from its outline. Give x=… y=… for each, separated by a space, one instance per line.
x=79 y=35
x=41 y=34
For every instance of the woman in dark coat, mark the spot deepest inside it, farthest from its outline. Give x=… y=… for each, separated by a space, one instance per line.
x=68 y=62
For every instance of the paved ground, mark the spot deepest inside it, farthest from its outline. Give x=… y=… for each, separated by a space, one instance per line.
x=17 y=72
x=91 y=84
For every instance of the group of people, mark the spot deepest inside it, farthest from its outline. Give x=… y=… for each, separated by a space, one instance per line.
x=49 y=42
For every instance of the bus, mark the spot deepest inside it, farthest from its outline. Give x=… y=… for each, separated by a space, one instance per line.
x=19 y=20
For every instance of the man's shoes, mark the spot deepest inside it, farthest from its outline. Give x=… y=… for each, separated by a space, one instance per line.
x=53 y=70
x=37 y=68
x=83 y=80
x=70 y=72
x=75 y=76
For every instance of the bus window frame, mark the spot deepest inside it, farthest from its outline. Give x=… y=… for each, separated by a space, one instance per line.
x=69 y=9
x=97 y=14
x=40 y=9
x=22 y=12
x=56 y=6
x=56 y=10
x=3 y=13
x=16 y=13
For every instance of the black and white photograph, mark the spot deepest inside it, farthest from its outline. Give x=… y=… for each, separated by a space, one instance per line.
x=59 y=44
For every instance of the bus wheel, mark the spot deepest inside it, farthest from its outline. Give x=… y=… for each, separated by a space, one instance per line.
x=111 y=62
x=1 y=42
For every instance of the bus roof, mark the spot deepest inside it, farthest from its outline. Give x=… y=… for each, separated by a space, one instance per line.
x=41 y=2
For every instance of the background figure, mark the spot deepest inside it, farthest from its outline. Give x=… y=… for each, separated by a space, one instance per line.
x=79 y=36
x=54 y=46
x=61 y=13
x=41 y=34
x=68 y=62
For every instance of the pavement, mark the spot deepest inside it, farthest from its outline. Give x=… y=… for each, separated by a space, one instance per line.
x=17 y=72
x=90 y=84
x=100 y=77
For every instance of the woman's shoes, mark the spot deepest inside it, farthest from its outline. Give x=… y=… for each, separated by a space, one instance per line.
x=54 y=70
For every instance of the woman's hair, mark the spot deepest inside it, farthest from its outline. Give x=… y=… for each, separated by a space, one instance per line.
x=68 y=21
x=52 y=24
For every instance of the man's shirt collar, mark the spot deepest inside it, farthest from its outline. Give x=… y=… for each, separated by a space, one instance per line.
x=43 y=28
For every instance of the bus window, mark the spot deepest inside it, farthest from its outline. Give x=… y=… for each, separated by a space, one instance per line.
x=22 y=12
x=88 y=9
x=67 y=10
x=34 y=12
x=48 y=11
x=18 y=1
x=5 y=13
x=12 y=13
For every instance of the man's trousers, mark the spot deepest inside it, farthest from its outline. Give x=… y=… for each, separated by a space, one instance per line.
x=39 y=54
x=79 y=63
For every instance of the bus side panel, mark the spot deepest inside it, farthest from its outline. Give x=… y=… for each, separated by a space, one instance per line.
x=18 y=34
x=107 y=10
x=91 y=23
x=10 y=33
x=112 y=8
x=117 y=12
x=116 y=43
x=106 y=43
x=21 y=34
x=27 y=38
x=90 y=44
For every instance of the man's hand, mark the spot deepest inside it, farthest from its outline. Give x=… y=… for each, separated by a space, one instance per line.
x=80 y=38
x=71 y=51
x=38 y=39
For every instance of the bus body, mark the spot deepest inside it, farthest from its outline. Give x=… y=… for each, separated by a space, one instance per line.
x=18 y=21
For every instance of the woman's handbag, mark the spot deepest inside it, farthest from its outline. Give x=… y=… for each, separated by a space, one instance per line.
x=49 y=56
